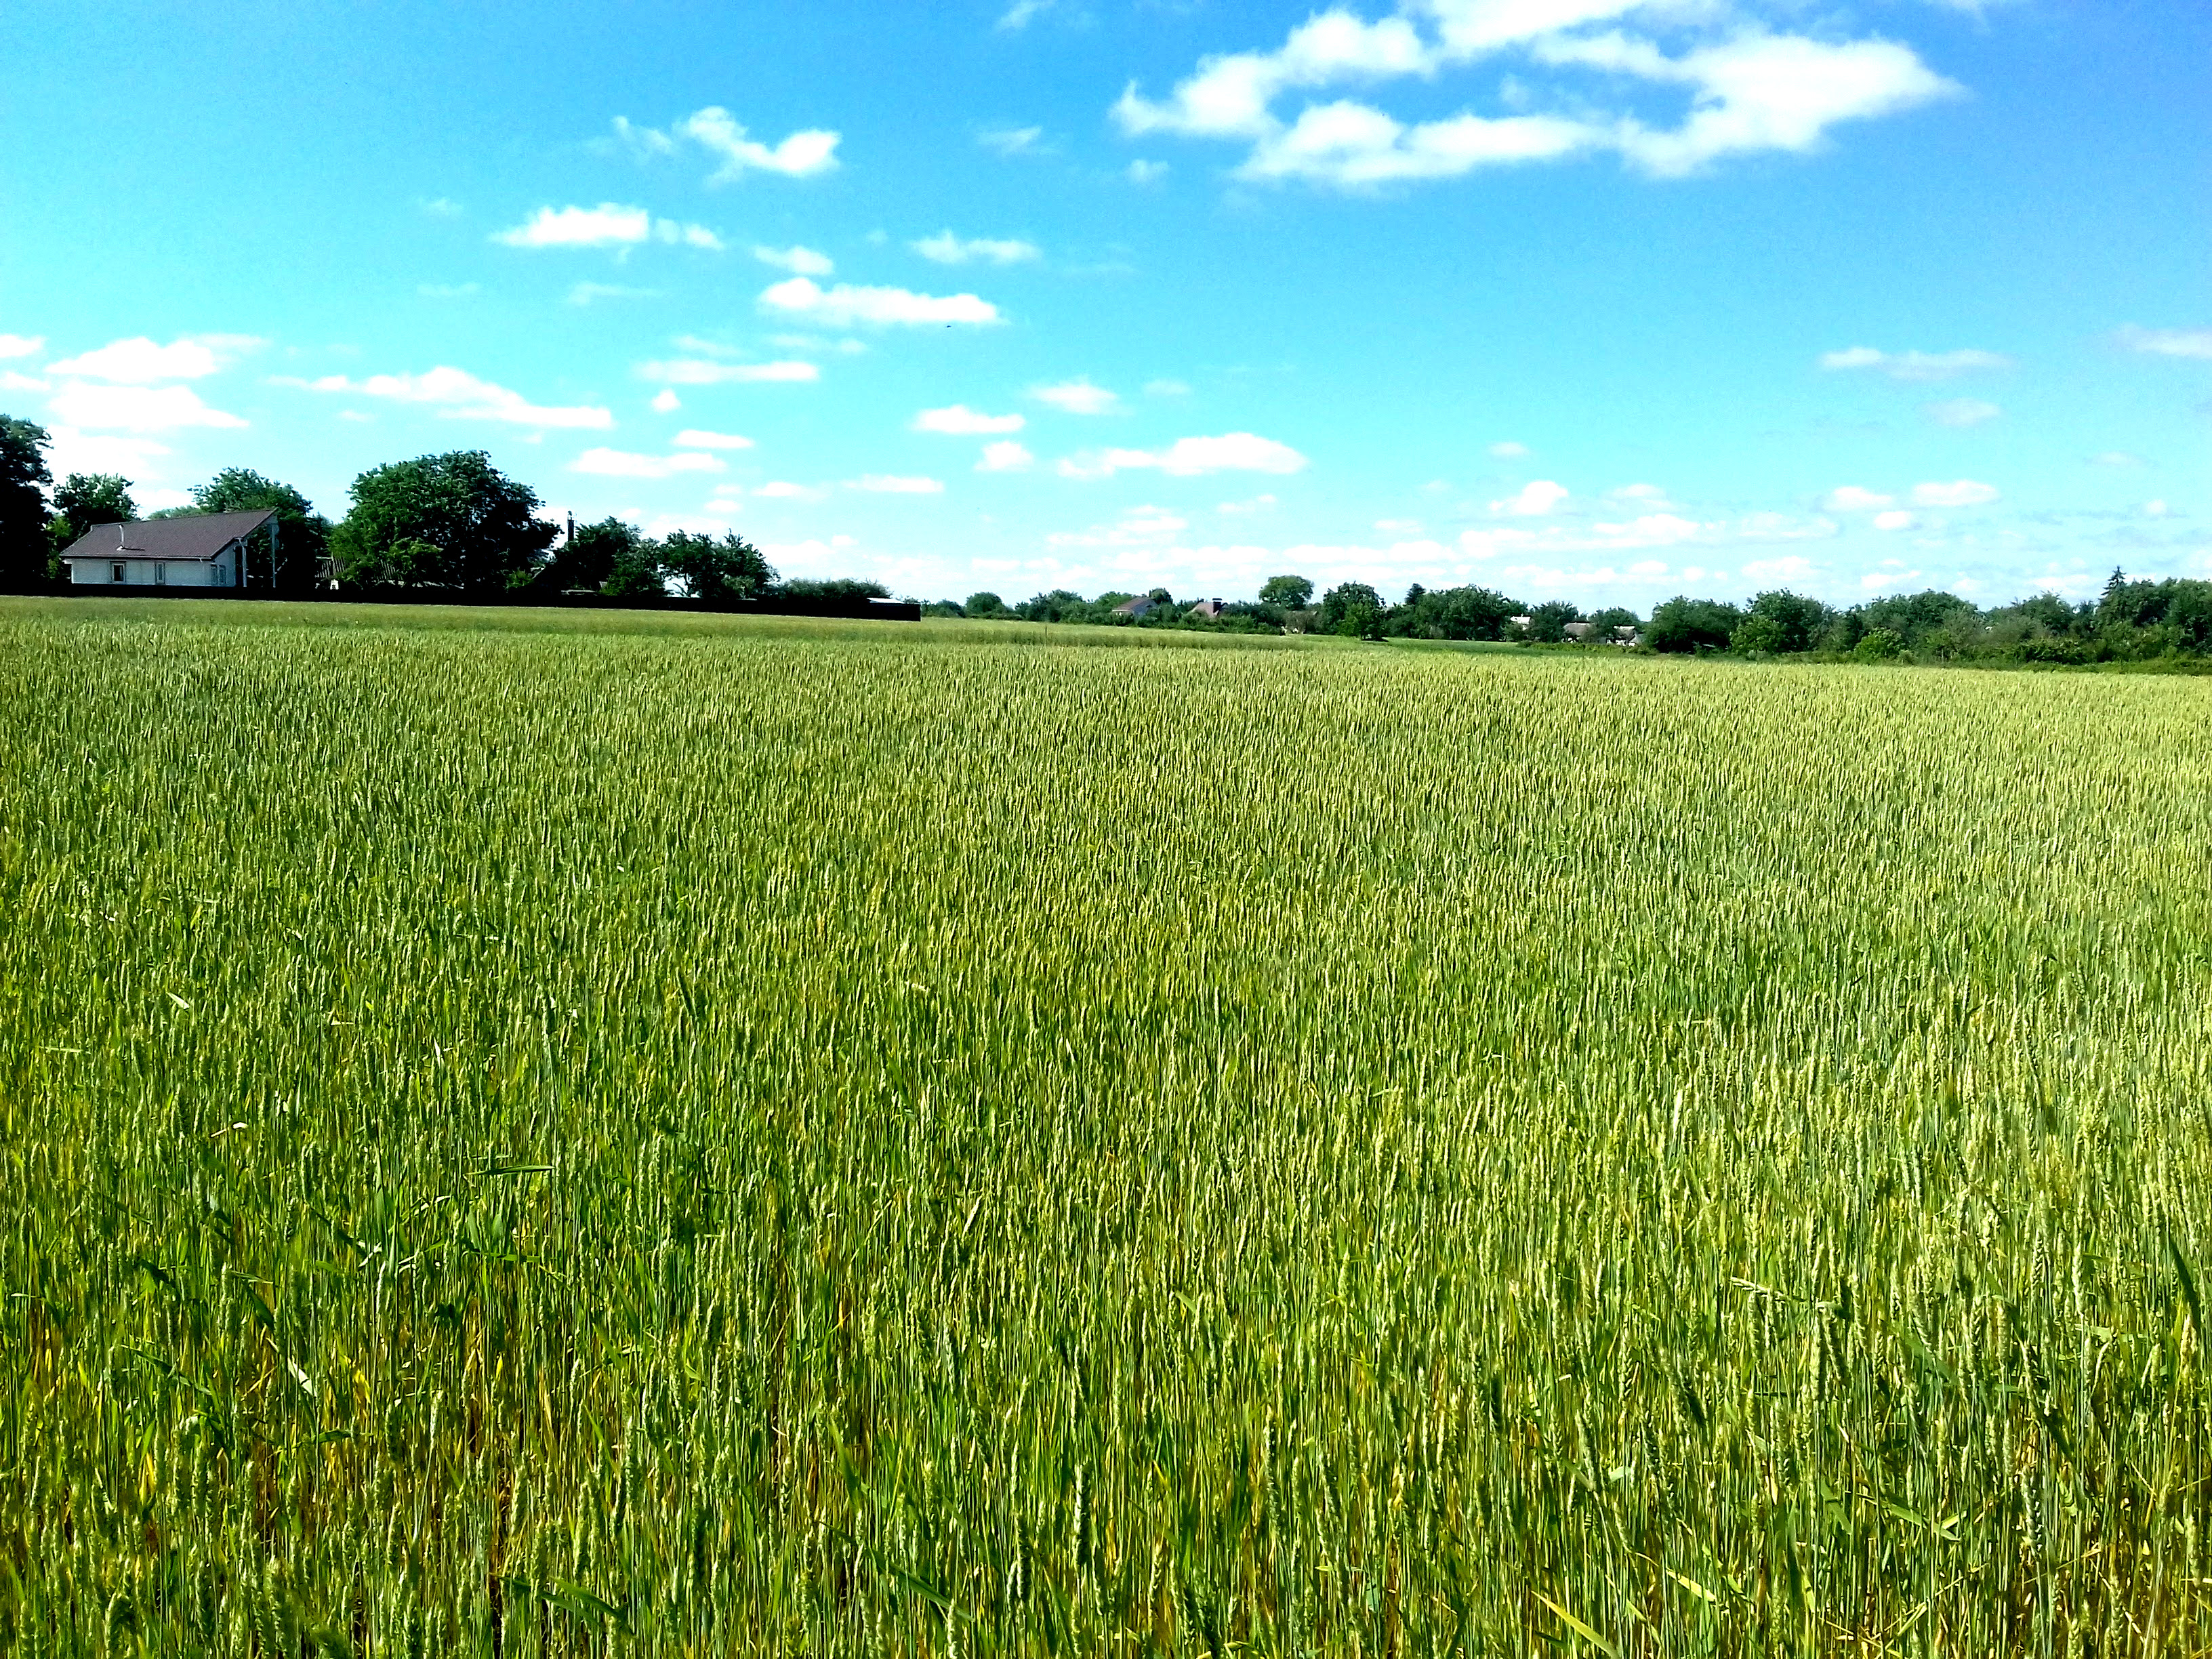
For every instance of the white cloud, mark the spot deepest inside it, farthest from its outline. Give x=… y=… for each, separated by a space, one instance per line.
x=1851 y=498
x=1005 y=456
x=1643 y=494
x=1962 y=412
x=1400 y=526
x=21 y=345
x=459 y=395
x=140 y=362
x=2115 y=458
x=1167 y=389
x=780 y=490
x=1246 y=507
x=693 y=438
x=137 y=408
x=960 y=422
x=665 y=402
x=2156 y=509
x=845 y=305
x=11 y=381
x=714 y=130
x=1535 y=499
x=1141 y=172
x=1011 y=141
x=1874 y=580
x=1963 y=492
x=607 y=225
x=799 y=261
x=1509 y=451
x=1747 y=90
x=585 y=293
x=1017 y=16
x=1791 y=567
x=83 y=452
x=2168 y=342
x=700 y=371
x=1914 y=366
x=1078 y=397
x=442 y=207
x=1190 y=457
x=946 y=249
x=620 y=463
x=877 y=483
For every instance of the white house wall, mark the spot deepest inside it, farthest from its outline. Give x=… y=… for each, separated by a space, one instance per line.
x=144 y=573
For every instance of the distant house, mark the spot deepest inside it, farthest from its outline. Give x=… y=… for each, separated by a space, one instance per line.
x=1525 y=623
x=201 y=549
x=1136 y=607
x=1627 y=635
x=1579 y=630
x=1206 y=611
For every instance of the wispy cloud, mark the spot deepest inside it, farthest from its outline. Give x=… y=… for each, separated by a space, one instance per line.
x=1190 y=457
x=879 y=484
x=946 y=249
x=137 y=408
x=607 y=225
x=1078 y=397
x=1914 y=366
x=695 y=439
x=620 y=463
x=459 y=395
x=1012 y=140
x=799 y=261
x=1962 y=412
x=803 y=154
x=959 y=421
x=2168 y=342
x=140 y=362
x=1961 y=492
x=584 y=294
x=1005 y=456
x=700 y=371
x=845 y=305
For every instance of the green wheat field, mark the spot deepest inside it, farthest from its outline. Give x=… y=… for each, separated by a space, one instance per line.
x=543 y=1134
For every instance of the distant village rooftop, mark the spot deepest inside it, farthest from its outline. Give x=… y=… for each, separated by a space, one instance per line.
x=197 y=549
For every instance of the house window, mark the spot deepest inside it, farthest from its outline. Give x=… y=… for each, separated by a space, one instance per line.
x=120 y=573
x=160 y=575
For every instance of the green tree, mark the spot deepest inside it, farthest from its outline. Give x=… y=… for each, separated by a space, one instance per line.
x=303 y=535
x=607 y=557
x=1287 y=592
x=449 y=520
x=721 y=572
x=26 y=553
x=1353 y=609
x=984 y=605
x=1685 y=624
x=1796 y=621
x=1549 y=621
x=85 y=499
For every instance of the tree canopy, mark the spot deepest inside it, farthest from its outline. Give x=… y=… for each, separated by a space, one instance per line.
x=25 y=552
x=452 y=520
x=87 y=499
x=303 y=535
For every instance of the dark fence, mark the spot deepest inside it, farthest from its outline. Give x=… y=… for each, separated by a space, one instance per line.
x=788 y=604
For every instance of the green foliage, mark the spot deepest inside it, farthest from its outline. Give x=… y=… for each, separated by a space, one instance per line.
x=1286 y=592
x=87 y=499
x=451 y=520
x=832 y=587
x=719 y=570
x=1789 y=622
x=1684 y=624
x=1548 y=621
x=1882 y=645
x=1352 y=609
x=1453 y=613
x=984 y=605
x=678 y=1136
x=26 y=550
x=303 y=535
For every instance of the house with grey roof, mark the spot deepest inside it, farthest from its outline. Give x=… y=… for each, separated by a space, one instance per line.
x=199 y=549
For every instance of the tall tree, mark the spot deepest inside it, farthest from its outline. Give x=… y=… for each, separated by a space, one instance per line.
x=1353 y=609
x=442 y=521
x=607 y=557
x=303 y=535
x=85 y=499
x=1290 y=592
x=717 y=571
x=25 y=555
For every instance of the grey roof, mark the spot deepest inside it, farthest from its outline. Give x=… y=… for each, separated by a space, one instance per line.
x=199 y=536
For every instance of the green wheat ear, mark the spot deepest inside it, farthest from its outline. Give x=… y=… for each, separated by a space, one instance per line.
x=590 y=1135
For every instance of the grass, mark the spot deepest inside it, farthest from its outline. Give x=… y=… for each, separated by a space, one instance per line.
x=705 y=1136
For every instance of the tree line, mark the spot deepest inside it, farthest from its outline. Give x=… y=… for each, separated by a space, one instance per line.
x=450 y=523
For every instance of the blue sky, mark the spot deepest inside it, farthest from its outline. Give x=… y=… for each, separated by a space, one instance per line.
x=1576 y=299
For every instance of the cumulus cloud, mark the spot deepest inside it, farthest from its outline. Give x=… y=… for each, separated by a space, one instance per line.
x=879 y=484
x=75 y=451
x=140 y=362
x=799 y=261
x=1961 y=492
x=1138 y=526
x=1078 y=397
x=586 y=293
x=695 y=439
x=137 y=408
x=1005 y=456
x=1894 y=520
x=1746 y=90
x=1851 y=498
x=946 y=249
x=11 y=381
x=1509 y=451
x=714 y=130
x=620 y=463
x=1914 y=366
x=1962 y=412
x=701 y=371
x=459 y=395
x=1535 y=499
x=607 y=225
x=1190 y=457
x=665 y=402
x=2168 y=342
x=21 y=345
x=959 y=421
x=845 y=305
